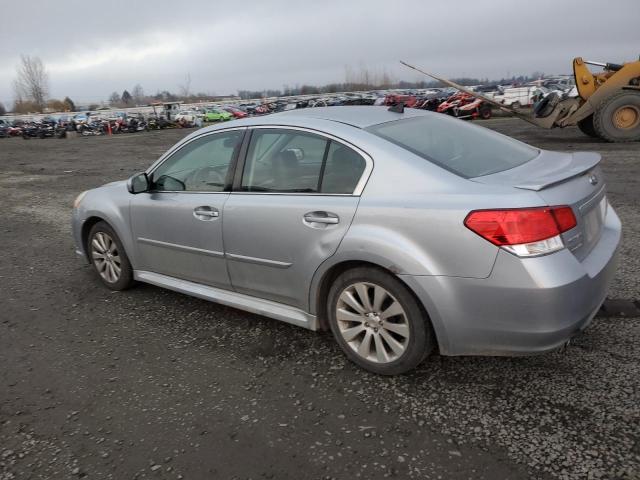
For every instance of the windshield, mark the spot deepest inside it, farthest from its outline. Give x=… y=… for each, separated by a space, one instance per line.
x=456 y=145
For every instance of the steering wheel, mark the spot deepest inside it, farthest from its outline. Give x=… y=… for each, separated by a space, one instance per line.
x=206 y=176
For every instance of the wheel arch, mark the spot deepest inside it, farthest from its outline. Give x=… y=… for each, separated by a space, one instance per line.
x=325 y=276
x=116 y=222
x=87 y=225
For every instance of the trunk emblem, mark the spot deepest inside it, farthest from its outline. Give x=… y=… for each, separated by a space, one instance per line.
x=593 y=180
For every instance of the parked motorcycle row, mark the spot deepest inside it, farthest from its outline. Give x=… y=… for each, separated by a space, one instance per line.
x=45 y=128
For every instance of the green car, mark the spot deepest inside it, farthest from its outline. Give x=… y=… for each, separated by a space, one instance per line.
x=216 y=115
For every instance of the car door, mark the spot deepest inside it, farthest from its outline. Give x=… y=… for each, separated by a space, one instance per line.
x=291 y=205
x=177 y=225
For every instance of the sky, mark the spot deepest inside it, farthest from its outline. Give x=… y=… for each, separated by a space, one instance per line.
x=91 y=50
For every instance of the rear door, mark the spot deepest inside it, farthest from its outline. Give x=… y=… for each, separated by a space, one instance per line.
x=292 y=204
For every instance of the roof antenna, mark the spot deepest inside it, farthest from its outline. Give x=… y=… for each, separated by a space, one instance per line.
x=397 y=108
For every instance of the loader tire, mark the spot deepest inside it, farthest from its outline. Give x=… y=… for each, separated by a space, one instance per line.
x=586 y=126
x=617 y=119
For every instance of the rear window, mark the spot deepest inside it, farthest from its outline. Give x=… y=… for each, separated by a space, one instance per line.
x=456 y=145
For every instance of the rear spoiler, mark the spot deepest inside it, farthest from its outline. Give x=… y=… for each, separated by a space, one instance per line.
x=491 y=101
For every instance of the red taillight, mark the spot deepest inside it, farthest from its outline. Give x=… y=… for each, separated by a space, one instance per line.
x=520 y=226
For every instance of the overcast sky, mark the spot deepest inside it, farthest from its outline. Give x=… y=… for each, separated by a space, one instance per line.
x=91 y=49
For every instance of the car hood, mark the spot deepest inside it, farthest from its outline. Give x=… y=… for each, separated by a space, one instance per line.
x=117 y=183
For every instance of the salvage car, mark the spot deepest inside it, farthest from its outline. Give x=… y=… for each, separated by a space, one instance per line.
x=404 y=232
x=216 y=115
x=4 y=129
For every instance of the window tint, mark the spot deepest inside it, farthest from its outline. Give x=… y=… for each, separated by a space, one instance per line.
x=291 y=161
x=199 y=166
x=464 y=149
x=284 y=161
x=343 y=169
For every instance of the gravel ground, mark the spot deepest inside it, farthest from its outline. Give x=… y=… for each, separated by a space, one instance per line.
x=152 y=384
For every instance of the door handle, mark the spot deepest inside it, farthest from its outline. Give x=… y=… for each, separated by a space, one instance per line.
x=322 y=217
x=206 y=213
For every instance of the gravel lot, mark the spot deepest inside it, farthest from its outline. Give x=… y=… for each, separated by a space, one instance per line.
x=152 y=384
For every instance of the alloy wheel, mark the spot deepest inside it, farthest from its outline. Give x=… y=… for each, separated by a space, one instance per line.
x=106 y=257
x=372 y=322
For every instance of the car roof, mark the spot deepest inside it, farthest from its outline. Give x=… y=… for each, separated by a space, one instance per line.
x=360 y=116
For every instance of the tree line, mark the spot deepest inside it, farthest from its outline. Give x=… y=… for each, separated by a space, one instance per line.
x=31 y=88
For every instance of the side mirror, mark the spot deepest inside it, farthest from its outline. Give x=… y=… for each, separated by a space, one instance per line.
x=139 y=183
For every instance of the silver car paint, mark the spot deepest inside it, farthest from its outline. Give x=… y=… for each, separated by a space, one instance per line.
x=169 y=240
x=409 y=220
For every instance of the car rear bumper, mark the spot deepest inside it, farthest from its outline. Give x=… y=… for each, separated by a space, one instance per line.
x=525 y=306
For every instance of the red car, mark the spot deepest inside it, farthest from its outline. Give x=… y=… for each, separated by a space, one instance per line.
x=236 y=112
x=409 y=101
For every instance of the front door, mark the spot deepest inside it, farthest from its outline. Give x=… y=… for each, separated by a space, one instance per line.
x=289 y=212
x=177 y=225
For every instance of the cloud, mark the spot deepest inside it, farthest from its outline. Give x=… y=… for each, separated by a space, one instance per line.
x=230 y=45
x=121 y=54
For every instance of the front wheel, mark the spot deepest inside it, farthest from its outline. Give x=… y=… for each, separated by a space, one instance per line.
x=617 y=119
x=377 y=321
x=108 y=257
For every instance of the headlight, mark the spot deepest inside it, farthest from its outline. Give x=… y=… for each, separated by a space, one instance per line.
x=76 y=202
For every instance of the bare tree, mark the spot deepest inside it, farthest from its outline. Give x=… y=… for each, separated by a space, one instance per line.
x=185 y=89
x=138 y=94
x=114 y=99
x=32 y=82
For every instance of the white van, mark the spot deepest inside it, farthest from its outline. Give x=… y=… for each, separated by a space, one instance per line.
x=517 y=96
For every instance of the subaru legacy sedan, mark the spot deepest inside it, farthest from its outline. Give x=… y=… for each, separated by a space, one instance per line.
x=401 y=232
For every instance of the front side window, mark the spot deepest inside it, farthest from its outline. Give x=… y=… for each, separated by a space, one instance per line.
x=200 y=166
x=288 y=161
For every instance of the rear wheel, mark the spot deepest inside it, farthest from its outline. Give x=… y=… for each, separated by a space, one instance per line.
x=586 y=126
x=485 y=112
x=617 y=119
x=377 y=321
x=108 y=257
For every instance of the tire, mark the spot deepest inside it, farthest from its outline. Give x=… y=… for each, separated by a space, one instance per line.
x=485 y=113
x=515 y=105
x=617 y=119
x=586 y=126
x=352 y=326
x=109 y=247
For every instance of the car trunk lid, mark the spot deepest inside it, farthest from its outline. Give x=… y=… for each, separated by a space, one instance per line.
x=573 y=179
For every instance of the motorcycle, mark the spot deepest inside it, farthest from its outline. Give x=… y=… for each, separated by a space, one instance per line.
x=91 y=128
x=43 y=130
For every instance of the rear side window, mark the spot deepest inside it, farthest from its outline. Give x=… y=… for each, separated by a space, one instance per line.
x=343 y=169
x=456 y=145
x=291 y=161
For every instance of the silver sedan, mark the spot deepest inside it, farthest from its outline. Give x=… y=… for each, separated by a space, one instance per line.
x=402 y=233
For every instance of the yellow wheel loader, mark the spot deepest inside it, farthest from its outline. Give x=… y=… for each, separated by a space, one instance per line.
x=607 y=105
